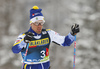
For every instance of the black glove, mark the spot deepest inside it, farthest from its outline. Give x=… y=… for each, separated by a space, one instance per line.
x=28 y=37
x=75 y=29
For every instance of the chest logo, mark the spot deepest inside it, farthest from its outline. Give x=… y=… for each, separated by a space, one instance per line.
x=39 y=42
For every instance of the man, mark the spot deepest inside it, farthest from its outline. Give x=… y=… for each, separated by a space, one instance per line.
x=38 y=40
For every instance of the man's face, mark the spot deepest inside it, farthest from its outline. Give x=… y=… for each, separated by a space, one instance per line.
x=37 y=26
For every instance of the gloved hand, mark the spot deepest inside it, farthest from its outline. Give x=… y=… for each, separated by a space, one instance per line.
x=75 y=29
x=28 y=37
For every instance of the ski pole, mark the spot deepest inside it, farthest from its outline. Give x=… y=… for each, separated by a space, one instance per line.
x=25 y=55
x=74 y=52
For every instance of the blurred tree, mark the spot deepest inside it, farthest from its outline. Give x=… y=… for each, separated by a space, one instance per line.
x=59 y=16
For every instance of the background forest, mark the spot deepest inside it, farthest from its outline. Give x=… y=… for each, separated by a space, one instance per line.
x=59 y=16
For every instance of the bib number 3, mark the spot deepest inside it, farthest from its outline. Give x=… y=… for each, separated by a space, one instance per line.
x=43 y=53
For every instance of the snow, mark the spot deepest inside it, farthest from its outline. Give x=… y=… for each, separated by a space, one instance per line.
x=59 y=16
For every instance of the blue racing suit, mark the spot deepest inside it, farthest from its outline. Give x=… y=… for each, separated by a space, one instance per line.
x=38 y=51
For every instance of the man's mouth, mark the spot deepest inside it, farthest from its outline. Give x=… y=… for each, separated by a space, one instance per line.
x=39 y=29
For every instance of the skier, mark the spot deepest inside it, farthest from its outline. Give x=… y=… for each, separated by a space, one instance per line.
x=38 y=40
